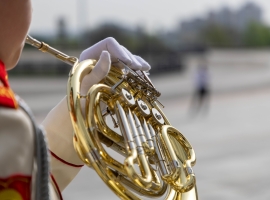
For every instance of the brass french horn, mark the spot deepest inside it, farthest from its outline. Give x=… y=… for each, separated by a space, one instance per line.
x=156 y=158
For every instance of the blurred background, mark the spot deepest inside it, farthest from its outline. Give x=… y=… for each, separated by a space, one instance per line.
x=210 y=60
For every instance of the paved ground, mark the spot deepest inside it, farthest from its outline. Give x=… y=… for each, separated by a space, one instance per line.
x=231 y=141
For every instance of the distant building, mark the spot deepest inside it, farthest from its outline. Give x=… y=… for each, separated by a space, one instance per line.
x=237 y=20
x=249 y=13
x=190 y=30
x=224 y=17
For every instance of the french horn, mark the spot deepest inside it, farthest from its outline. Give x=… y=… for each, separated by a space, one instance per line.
x=153 y=159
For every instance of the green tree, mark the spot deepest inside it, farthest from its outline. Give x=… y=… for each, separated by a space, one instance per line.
x=121 y=34
x=216 y=35
x=137 y=41
x=257 y=35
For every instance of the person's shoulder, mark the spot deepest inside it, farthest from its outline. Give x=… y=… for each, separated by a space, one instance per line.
x=16 y=123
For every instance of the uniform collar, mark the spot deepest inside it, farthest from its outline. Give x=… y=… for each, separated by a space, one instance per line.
x=3 y=74
x=7 y=97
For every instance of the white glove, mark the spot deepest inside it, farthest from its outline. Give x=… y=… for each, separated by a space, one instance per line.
x=58 y=124
x=116 y=52
x=109 y=51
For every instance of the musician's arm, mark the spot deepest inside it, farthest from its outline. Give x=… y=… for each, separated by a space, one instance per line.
x=15 y=19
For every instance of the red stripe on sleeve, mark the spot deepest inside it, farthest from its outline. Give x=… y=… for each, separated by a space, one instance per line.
x=63 y=161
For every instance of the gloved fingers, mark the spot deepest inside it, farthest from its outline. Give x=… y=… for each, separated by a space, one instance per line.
x=109 y=44
x=145 y=65
x=117 y=52
x=135 y=64
x=100 y=70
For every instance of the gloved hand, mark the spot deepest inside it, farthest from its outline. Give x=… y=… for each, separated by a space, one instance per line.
x=65 y=163
x=109 y=51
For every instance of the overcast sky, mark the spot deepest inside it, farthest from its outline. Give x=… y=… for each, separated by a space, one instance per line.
x=151 y=14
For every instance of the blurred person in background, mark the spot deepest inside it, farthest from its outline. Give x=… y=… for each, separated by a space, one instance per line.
x=24 y=156
x=201 y=97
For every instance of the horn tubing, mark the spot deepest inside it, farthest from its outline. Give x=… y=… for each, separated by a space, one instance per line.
x=45 y=48
x=148 y=140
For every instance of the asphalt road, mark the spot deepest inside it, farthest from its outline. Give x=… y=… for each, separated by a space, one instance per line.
x=231 y=140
